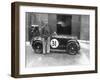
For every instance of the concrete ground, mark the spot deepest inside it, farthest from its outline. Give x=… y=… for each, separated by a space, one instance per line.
x=57 y=59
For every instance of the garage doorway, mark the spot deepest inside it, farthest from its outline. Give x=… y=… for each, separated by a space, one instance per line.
x=64 y=24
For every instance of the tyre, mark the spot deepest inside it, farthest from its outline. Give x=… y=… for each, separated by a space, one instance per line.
x=37 y=46
x=73 y=47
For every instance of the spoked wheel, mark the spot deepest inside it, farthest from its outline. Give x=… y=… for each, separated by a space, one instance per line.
x=37 y=46
x=72 y=48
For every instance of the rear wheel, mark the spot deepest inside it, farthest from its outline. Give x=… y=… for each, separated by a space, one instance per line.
x=37 y=46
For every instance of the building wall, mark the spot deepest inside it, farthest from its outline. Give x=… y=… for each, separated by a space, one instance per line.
x=79 y=24
x=76 y=26
x=84 y=30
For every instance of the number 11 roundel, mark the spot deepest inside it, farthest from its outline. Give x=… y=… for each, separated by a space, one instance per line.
x=54 y=43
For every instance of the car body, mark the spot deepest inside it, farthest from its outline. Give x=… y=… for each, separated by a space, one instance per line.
x=56 y=43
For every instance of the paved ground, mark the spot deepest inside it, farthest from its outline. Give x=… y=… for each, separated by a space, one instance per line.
x=57 y=59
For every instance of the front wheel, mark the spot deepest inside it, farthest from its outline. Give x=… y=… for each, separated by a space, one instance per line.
x=72 y=48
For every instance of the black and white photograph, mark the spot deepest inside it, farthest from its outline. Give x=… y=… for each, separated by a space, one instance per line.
x=51 y=39
x=57 y=39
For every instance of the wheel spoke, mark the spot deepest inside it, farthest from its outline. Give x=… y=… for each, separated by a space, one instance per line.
x=72 y=48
